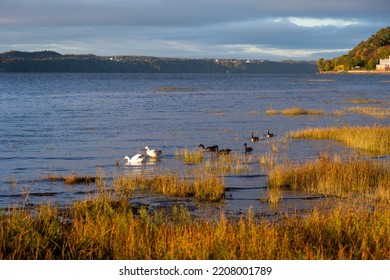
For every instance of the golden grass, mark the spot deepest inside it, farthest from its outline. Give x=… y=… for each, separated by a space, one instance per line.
x=363 y=101
x=72 y=179
x=253 y=112
x=335 y=177
x=203 y=186
x=190 y=156
x=274 y=195
x=294 y=111
x=268 y=160
x=101 y=229
x=372 y=139
x=377 y=112
x=233 y=163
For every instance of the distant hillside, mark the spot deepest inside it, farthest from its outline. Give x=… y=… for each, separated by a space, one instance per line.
x=48 y=61
x=364 y=56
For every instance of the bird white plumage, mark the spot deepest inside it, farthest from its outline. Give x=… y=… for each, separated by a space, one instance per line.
x=138 y=158
x=153 y=153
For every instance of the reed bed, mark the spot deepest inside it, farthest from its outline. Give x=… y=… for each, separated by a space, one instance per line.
x=372 y=139
x=335 y=177
x=364 y=101
x=190 y=156
x=203 y=186
x=377 y=112
x=233 y=163
x=72 y=179
x=294 y=111
x=100 y=229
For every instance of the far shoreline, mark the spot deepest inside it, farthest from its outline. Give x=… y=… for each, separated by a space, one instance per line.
x=360 y=72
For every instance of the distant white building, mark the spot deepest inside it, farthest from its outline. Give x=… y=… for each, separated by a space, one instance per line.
x=384 y=64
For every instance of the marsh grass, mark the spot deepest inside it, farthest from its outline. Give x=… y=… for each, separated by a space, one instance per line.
x=363 y=101
x=72 y=179
x=274 y=195
x=377 y=112
x=203 y=186
x=372 y=139
x=101 y=229
x=268 y=160
x=253 y=112
x=195 y=156
x=233 y=163
x=332 y=176
x=294 y=111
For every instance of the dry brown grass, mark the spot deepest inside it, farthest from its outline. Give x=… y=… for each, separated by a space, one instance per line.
x=233 y=163
x=377 y=112
x=294 y=111
x=363 y=101
x=190 y=156
x=72 y=179
x=372 y=139
x=101 y=229
x=335 y=177
x=204 y=186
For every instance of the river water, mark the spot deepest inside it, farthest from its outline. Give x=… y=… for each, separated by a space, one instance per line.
x=64 y=123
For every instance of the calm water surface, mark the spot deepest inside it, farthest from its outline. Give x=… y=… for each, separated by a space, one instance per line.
x=66 y=123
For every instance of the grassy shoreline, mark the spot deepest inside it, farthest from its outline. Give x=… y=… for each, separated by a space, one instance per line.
x=108 y=229
x=372 y=139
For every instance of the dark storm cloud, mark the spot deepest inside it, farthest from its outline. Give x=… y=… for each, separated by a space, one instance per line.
x=202 y=28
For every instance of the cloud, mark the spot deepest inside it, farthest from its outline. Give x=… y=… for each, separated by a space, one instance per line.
x=275 y=29
x=180 y=12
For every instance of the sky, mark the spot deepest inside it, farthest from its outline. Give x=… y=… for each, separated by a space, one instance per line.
x=242 y=29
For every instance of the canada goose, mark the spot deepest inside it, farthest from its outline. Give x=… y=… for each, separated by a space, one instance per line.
x=152 y=153
x=138 y=158
x=209 y=148
x=248 y=149
x=269 y=135
x=254 y=138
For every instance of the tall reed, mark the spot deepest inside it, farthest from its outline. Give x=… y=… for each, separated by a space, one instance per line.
x=190 y=156
x=201 y=185
x=332 y=176
x=294 y=111
x=373 y=139
x=97 y=230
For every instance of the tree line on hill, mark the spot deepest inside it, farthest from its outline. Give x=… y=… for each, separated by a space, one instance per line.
x=365 y=56
x=49 y=61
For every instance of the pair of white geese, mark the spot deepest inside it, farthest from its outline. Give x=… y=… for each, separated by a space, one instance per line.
x=139 y=158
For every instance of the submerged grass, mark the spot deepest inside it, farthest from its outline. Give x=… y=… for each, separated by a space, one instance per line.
x=363 y=101
x=336 y=177
x=204 y=186
x=372 y=139
x=294 y=111
x=377 y=112
x=101 y=229
x=72 y=179
x=190 y=156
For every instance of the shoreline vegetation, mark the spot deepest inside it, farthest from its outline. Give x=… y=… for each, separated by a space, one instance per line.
x=376 y=112
x=103 y=228
x=356 y=72
x=355 y=224
x=363 y=58
x=374 y=139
